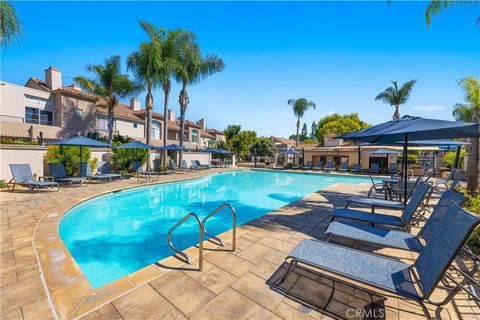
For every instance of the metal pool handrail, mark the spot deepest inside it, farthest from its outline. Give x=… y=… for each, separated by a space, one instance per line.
x=234 y=225
x=200 y=240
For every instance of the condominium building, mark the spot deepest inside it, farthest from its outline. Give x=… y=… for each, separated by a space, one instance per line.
x=47 y=109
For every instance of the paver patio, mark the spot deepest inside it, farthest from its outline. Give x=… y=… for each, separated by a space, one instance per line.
x=232 y=284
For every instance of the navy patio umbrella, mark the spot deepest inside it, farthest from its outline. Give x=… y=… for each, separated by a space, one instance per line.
x=384 y=151
x=81 y=142
x=290 y=151
x=209 y=150
x=409 y=128
x=173 y=147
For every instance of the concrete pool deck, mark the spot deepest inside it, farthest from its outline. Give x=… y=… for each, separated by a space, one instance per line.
x=231 y=286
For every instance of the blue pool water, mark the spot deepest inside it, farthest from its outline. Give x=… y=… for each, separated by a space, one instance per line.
x=116 y=234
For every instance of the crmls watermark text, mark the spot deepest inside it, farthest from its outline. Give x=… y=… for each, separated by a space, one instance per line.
x=366 y=314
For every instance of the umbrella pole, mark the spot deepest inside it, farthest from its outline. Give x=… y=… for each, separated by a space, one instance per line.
x=359 y=158
x=457 y=157
x=81 y=162
x=405 y=167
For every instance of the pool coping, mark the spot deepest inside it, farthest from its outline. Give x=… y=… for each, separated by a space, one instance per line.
x=69 y=292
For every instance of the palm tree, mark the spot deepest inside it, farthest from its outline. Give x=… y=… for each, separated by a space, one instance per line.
x=468 y=112
x=10 y=26
x=437 y=6
x=166 y=45
x=300 y=106
x=146 y=65
x=192 y=69
x=395 y=96
x=110 y=85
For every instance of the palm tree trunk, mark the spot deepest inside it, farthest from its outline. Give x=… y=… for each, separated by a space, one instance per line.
x=473 y=160
x=166 y=91
x=110 y=123
x=183 y=101
x=149 y=109
x=396 y=114
x=298 y=130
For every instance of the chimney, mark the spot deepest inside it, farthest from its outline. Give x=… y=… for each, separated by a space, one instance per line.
x=53 y=78
x=135 y=104
x=171 y=115
x=202 y=124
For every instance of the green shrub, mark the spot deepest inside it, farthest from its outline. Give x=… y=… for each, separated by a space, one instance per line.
x=69 y=156
x=3 y=184
x=24 y=141
x=473 y=205
x=449 y=158
x=123 y=158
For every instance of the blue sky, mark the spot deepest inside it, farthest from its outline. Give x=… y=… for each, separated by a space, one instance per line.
x=337 y=54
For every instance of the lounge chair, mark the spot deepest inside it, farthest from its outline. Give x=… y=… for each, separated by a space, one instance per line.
x=392 y=168
x=60 y=175
x=184 y=166
x=374 y=168
x=148 y=175
x=378 y=187
x=195 y=165
x=343 y=166
x=391 y=275
x=87 y=173
x=395 y=238
x=385 y=219
x=318 y=166
x=356 y=168
x=203 y=166
x=104 y=169
x=329 y=167
x=22 y=175
x=308 y=166
x=441 y=184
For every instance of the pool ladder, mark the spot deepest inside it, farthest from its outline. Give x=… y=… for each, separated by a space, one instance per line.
x=203 y=231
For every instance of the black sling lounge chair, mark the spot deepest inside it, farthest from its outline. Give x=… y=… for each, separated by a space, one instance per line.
x=391 y=275
x=22 y=175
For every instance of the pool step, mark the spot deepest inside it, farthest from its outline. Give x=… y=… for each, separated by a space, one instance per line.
x=203 y=231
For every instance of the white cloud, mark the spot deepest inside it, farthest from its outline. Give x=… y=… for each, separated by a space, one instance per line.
x=429 y=108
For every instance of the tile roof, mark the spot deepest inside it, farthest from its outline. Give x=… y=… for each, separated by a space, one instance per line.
x=120 y=111
x=70 y=90
x=189 y=124
x=42 y=84
x=157 y=116
x=205 y=134
x=283 y=140
x=215 y=132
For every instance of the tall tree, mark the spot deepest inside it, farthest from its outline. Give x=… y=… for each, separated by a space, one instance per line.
x=168 y=45
x=10 y=26
x=300 y=106
x=396 y=96
x=304 y=132
x=145 y=63
x=313 y=131
x=437 y=6
x=339 y=124
x=110 y=85
x=469 y=112
x=191 y=69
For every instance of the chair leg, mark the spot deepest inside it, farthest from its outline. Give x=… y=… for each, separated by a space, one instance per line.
x=291 y=266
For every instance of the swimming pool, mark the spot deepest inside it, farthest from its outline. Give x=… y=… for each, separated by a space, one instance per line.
x=118 y=233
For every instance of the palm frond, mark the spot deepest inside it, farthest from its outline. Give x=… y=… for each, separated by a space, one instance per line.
x=437 y=6
x=462 y=112
x=11 y=30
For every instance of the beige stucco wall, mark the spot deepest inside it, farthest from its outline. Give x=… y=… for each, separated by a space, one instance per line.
x=126 y=128
x=33 y=155
x=13 y=102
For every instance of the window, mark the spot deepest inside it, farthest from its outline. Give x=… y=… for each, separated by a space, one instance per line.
x=195 y=136
x=78 y=112
x=37 y=100
x=155 y=131
x=36 y=116
x=102 y=124
x=135 y=125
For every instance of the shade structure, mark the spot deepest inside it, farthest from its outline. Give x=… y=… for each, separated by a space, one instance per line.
x=223 y=151
x=384 y=151
x=173 y=147
x=409 y=128
x=134 y=145
x=209 y=150
x=290 y=151
x=81 y=142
